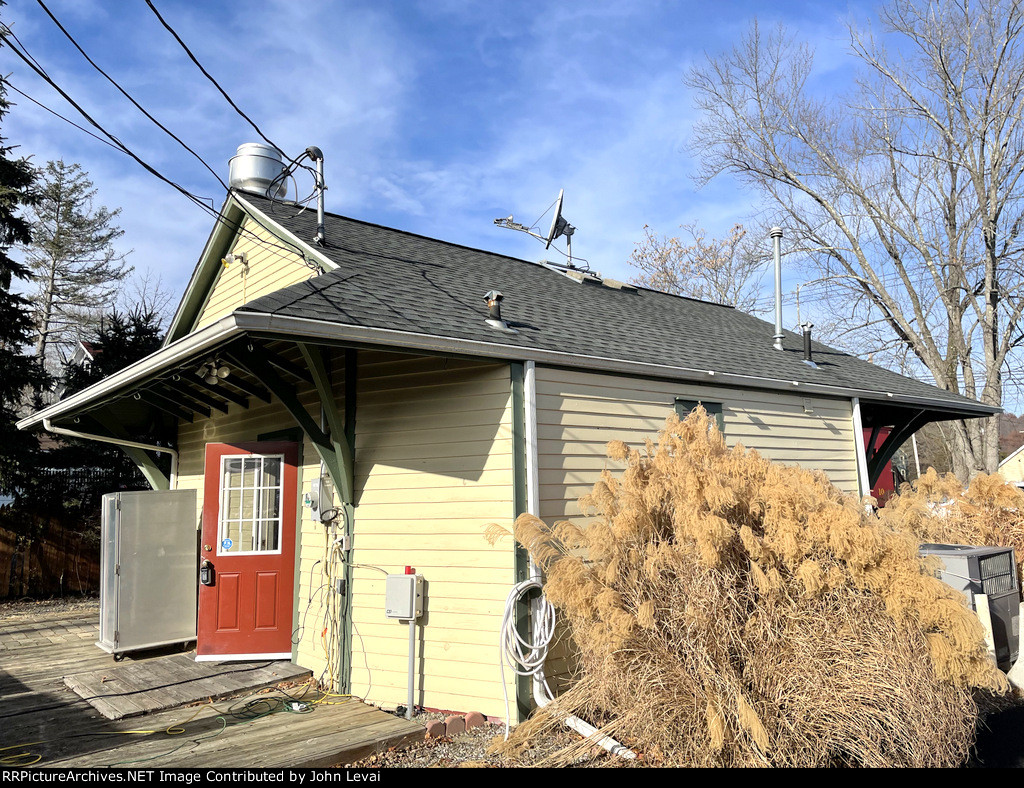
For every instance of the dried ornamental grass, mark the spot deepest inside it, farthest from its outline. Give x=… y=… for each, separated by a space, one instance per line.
x=939 y=509
x=733 y=612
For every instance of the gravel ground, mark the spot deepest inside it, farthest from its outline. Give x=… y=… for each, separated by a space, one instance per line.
x=468 y=750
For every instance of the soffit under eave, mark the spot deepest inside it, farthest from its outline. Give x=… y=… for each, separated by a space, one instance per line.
x=886 y=414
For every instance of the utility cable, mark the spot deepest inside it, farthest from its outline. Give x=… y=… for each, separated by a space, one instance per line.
x=66 y=120
x=128 y=96
x=524 y=657
x=41 y=72
x=246 y=710
x=22 y=52
x=215 y=83
x=207 y=74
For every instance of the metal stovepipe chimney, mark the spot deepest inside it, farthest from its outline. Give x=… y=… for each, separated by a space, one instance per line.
x=776 y=235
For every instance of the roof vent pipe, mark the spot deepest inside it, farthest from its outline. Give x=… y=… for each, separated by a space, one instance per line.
x=808 y=359
x=776 y=235
x=493 y=299
x=317 y=155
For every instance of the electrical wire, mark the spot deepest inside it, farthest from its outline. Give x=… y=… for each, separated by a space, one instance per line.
x=207 y=74
x=128 y=96
x=35 y=709
x=214 y=82
x=66 y=120
x=246 y=710
x=26 y=56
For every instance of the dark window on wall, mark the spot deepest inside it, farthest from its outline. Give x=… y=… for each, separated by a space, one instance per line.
x=684 y=407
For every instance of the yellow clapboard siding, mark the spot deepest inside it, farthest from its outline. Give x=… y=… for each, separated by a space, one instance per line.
x=392 y=439
x=455 y=540
x=463 y=492
x=370 y=454
x=270 y=269
x=469 y=468
x=497 y=477
x=433 y=467
x=406 y=422
x=579 y=412
x=468 y=640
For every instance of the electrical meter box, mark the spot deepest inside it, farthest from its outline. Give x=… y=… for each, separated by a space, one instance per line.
x=985 y=570
x=403 y=596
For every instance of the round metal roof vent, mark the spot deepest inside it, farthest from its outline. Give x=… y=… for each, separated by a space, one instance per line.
x=258 y=168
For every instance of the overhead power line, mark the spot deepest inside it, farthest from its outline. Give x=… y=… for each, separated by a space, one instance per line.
x=207 y=74
x=191 y=55
x=31 y=62
x=62 y=117
x=7 y=35
x=128 y=96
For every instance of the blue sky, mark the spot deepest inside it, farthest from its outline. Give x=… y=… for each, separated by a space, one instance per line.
x=434 y=117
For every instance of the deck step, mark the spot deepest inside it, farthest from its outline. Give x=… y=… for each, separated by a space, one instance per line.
x=152 y=685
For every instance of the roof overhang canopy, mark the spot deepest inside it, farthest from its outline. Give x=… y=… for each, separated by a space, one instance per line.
x=168 y=374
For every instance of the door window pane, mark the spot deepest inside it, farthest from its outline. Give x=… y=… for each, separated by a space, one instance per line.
x=250 y=504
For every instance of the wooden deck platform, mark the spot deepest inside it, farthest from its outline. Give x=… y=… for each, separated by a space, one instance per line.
x=48 y=725
x=167 y=682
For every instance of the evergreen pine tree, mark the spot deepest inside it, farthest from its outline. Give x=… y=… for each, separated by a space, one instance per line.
x=19 y=373
x=76 y=266
x=80 y=472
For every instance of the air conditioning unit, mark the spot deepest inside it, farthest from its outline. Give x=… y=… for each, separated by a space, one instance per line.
x=991 y=571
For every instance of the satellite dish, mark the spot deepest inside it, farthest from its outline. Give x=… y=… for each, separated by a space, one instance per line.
x=559 y=227
x=553 y=232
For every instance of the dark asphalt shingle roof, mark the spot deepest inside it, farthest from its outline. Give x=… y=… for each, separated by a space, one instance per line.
x=395 y=280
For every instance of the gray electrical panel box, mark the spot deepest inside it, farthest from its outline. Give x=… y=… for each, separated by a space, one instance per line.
x=991 y=571
x=148 y=569
x=403 y=596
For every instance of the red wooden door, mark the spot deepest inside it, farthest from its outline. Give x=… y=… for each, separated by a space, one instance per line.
x=249 y=509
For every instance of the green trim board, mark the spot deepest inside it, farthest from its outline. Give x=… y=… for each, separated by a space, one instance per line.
x=144 y=461
x=225 y=233
x=318 y=363
x=684 y=407
x=255 y=364
x=517 y=374
x=345 y=647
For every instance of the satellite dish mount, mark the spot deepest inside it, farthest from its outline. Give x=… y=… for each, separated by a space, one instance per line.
x=559 y=228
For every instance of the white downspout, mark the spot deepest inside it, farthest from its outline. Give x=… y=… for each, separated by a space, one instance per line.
x=173 y=481
x=861 y=453
x=540 y=687
x=540 y=690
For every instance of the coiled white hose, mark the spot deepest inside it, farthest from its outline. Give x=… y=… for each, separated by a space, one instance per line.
x=527 y=658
